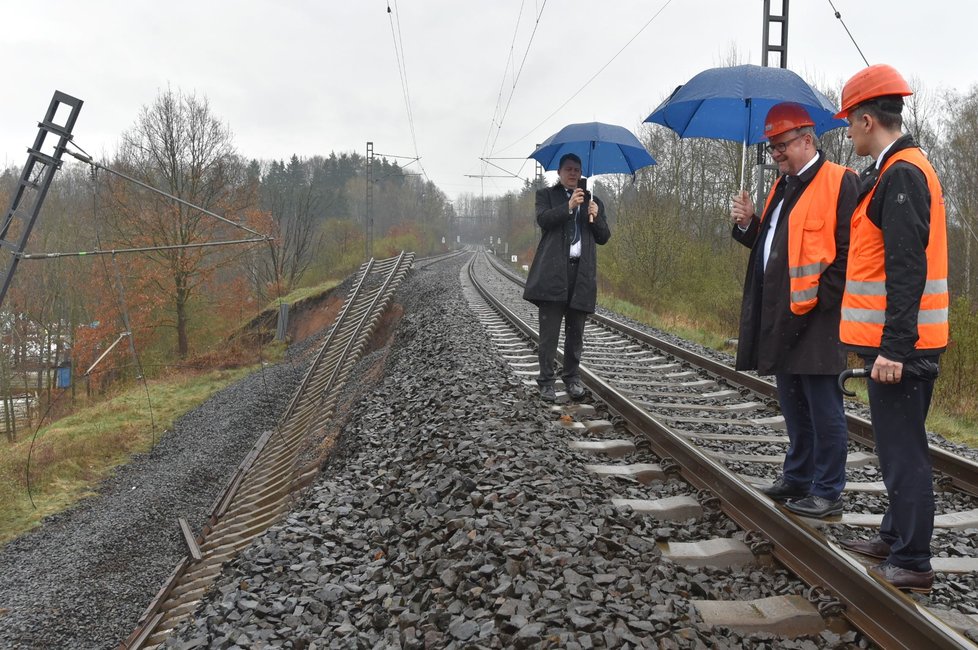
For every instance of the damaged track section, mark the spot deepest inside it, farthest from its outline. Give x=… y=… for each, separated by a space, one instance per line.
x=262 y=488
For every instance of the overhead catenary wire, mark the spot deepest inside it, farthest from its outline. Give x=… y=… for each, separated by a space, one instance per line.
x=516 y=77
x=592 y=78
x=502 y=82
x=124 y=312
x=839 y=16
x=87 y=159
x=498 y=123
x=140 y=249
x=401 y=59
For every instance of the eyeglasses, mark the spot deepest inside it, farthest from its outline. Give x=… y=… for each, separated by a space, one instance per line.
x=781 y=146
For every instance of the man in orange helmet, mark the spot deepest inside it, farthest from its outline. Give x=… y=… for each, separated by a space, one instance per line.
x=789 y=323
x=894 y=314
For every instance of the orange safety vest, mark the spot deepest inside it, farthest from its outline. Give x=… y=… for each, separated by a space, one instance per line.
x=811 y=234
x=864 y=298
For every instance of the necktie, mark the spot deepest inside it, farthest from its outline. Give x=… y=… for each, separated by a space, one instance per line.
x=577 y=227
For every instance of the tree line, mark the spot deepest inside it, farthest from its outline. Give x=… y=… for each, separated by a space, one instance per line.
x=178 y=294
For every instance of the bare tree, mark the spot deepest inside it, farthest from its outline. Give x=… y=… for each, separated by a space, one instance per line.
x=178 y=145
x=957 y=162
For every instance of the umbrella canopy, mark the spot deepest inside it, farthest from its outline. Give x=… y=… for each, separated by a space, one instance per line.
x=731 y=103
x=602 y=148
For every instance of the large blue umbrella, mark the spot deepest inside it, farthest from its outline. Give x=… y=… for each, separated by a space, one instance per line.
x=731 y=103
x=602 y=148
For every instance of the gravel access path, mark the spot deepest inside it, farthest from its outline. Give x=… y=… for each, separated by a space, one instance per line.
x=83 y=577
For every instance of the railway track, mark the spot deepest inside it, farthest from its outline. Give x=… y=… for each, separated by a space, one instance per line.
x=264 y=485
x=692 y=410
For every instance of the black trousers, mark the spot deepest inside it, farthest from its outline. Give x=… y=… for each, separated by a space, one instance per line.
x=898 y=412
x=551 y=313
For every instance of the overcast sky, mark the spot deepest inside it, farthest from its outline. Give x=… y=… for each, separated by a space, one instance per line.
x=309 y=77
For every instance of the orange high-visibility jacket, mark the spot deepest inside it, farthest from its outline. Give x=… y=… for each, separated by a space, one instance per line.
x=811 y=234
x=864 y=298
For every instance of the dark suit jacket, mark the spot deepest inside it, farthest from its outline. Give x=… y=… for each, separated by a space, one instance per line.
x=547 y=279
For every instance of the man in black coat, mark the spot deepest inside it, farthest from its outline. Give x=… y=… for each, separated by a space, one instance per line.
x=562 y=281
x=791 y=308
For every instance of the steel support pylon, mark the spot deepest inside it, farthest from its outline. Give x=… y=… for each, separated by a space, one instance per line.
x=34 y=182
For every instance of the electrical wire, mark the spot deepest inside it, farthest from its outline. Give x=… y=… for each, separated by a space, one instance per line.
x=86 y=158
x=502 y=82
x=124 y=313
x=30 y=450
x=139 y=249
x=592 y=78
x=839 y=16
x=516 y=78
x=400 y=56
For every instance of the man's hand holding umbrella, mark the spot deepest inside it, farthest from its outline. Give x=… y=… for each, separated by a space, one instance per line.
x=742 y=209
x=592 y=210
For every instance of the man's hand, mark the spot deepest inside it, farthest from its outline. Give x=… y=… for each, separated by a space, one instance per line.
x=741 y=209
x=592 y=211
x=576 y=199
x=886 y=371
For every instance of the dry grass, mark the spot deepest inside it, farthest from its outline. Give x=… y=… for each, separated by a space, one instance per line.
x=72 y=455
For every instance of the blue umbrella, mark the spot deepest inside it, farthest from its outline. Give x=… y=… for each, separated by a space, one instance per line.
x=731 y=103
x=602 y=148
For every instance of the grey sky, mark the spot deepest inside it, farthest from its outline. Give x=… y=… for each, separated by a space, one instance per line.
x=309 y=77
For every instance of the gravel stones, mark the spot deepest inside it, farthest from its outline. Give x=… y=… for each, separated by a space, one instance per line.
x=83 y=577
x=453 y=514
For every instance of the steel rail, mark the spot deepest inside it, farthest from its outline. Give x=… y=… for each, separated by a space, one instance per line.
x=364 y=273
x=887 y=616
x=963 y=472
x=266 y=479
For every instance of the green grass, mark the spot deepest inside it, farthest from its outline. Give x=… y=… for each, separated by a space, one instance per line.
x=302 y=293
x=73 y=454
x=677 y=324
x=954 y=428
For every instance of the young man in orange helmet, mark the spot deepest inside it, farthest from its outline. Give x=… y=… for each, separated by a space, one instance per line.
x=894 y=314
x=789 y=323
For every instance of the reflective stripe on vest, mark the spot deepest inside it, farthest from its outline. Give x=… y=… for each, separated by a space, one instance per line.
x=811 y=235
x=864 y=299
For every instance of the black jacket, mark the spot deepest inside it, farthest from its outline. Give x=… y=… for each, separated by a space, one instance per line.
x=547 y=279
x=773 y=339
x=900 y=207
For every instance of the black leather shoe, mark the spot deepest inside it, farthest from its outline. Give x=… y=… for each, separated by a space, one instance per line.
x=548 y=394
x=918 y=581
x=875 y=547
x=813 y=506
x=575 y=390
x=781 y=491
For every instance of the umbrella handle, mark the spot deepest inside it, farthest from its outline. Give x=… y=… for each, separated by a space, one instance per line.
x=743 y=166
x=851 y=372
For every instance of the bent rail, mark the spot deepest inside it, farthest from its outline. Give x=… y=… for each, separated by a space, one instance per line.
x=263 y=485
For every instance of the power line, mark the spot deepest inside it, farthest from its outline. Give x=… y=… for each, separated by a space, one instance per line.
x=593 y=77
x=402 y=71
x=502 y=82
x=87 y=159
x=839 y=16
x=141 y=249
x=516 y=78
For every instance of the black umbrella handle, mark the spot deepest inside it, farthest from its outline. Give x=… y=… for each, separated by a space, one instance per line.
x=851 y=372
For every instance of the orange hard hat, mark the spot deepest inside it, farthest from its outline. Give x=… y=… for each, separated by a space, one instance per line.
x=784 y=117
x=878 y=80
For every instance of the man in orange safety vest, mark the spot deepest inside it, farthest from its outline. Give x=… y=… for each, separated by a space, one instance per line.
x=789 y=324
x=895 y=315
